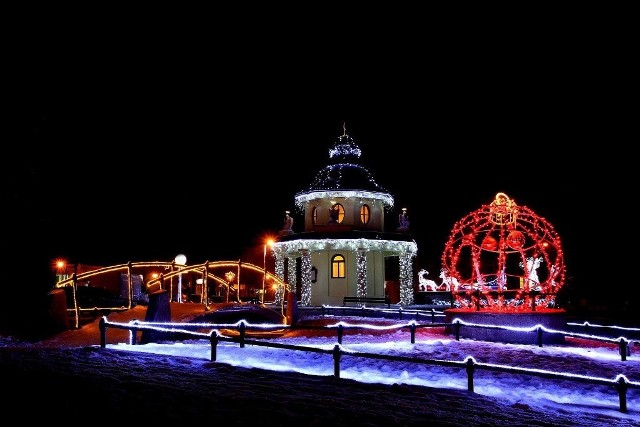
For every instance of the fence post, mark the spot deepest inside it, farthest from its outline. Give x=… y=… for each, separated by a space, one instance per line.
x=336 y=361
x=242 y=329
x=623 y=345
x=539 y=336
x=103 y=332
x=213 y=339
x=340 y=331
x=133 y=332
x=621 y=386
x=412 y=328
x=456 y=327
x=470 y=370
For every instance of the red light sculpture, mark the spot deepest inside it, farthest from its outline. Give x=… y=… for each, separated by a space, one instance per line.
x=503 y=257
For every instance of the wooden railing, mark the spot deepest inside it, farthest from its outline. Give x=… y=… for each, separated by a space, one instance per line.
x=620 y=384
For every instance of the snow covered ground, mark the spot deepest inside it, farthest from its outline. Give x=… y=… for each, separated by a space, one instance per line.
x=260 y=385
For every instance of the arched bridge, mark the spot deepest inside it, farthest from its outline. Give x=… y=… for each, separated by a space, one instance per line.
x=216 y=271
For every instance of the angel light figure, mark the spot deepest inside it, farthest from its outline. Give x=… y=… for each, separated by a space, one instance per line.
x=532 y=281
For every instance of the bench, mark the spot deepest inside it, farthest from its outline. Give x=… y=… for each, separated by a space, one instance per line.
x=367 y=300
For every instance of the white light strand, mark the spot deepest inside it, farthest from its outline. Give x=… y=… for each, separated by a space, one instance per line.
x=361 y=263
x=306 y=197
x=344 y=150
x=305 y=269
x=406 y=278
x=279 y=270
x=291 y=275
x=391 y=246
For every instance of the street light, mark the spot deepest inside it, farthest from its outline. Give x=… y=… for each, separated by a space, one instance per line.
x=180 y=260
x=269 y=242
x=230 y=276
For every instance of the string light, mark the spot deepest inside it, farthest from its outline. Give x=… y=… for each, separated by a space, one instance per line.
x=279 y=271
x=409 y=248
x=291 y=276
x=305 y=264
x=301 y=199
x=361 y=267
x=189 y=327
x=406 y=278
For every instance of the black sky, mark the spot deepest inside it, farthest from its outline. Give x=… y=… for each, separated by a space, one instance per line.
x=121 y=156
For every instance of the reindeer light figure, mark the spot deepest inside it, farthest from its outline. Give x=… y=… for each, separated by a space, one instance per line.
x=424 y=283
x=450 y=283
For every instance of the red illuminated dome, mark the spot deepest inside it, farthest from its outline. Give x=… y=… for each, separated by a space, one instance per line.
x=503 y=257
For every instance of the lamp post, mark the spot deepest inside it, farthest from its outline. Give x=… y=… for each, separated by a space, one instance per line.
x=180 y=260
x=229 y=276
x=269 y=242
x=62 y=273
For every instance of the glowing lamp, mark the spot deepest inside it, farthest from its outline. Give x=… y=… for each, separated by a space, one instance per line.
x=180 y=259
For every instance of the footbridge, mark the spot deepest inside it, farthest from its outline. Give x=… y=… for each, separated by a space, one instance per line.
x=217 y=272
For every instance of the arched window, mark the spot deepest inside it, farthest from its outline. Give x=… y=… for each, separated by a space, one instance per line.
x=314 y=215
x=364 y=214
x=337 y=267
x=336 y=213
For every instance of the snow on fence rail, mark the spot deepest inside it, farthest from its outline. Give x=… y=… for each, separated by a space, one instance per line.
x=621 y=384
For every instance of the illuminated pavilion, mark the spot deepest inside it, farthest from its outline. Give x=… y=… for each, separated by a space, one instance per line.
x=344 y=247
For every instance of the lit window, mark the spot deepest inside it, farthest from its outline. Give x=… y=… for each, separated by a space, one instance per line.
x=314 y=215
x=364 y=214
x=337 y=267
x=336 y=213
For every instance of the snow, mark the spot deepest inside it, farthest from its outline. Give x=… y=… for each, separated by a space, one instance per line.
x=257 y=384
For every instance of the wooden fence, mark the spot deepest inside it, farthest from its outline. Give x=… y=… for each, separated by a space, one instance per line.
x=620 y=384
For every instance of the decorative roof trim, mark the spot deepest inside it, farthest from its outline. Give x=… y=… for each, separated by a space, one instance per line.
x=393 y=246
x=303 y=198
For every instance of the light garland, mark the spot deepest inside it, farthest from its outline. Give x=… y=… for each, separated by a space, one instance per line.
x=279 y=267
x=279 y=270
x=306 y=197
x=331 y=177
x=500 y=303
x=345 y=147
x=361 y=271
x=188 y=327
x=305 y=269
x=410 y=248
x=406 y=278
x=291 y=274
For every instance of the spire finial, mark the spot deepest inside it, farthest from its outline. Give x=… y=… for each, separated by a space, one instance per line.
x=344 y=128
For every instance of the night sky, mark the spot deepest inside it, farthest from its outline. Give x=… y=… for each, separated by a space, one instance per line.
x=123 y=158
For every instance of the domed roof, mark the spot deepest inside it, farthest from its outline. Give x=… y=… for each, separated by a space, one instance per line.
x=344 y=173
